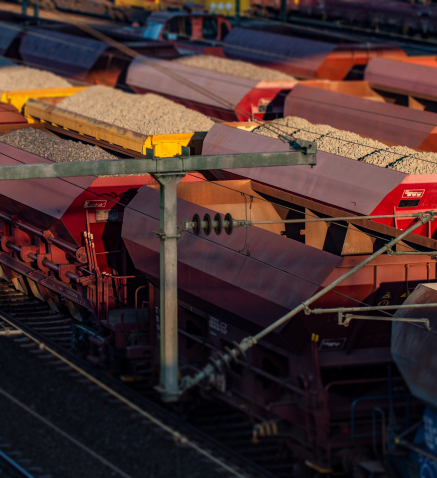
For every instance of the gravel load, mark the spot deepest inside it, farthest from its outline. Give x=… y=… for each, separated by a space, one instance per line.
x=147 y=114
x=25 y=78
x=50 y=147
x=238 y=68
x=351 y=145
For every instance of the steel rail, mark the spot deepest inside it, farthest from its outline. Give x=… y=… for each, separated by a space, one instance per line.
x=61 y=432
x=43 y=345
x=240 y=349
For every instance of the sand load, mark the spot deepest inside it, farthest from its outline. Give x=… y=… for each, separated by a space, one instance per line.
x=148 y=114
x=351 y=145
x=24 y=78
x=242 y=69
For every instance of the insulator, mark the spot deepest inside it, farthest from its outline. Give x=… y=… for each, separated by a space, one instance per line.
x=197 y=226
x=208 y=228
x=230 y=227
x=219 y=227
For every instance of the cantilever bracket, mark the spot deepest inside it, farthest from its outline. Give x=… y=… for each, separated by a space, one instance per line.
x=307 y=147
x=164 y=236
x=345 y=319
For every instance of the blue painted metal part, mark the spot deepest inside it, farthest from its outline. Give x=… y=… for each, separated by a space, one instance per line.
x=368 y=399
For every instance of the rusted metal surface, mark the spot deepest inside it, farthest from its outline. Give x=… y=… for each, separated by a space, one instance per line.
x=10 y=115
x=413 y=348
x=383 y=121
x=292 y=55
x=59 y=52
x=400 y=77
x=335 y=180
x=213 y=271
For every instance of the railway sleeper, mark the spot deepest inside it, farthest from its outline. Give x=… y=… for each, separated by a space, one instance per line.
x=54 y=328
x=56 y=334
x=53 y=322
x=229 y=426
x=234 y=435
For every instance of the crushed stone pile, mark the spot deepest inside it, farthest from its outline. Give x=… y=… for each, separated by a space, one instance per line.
x=25 y=78
x=50 y=147
x=238 y=68
x=351 y=145
x=147 y=114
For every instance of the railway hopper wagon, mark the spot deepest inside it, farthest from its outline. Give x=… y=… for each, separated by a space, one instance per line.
x=88 y=246
x=310 y=378
x=389 y=123
x=304 y=58
x=411 y=81
x=399 y=17
x=65 y=51
x=220 y=96
x=70 y=230
x=337 y=183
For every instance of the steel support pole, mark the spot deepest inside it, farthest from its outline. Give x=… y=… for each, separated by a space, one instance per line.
x=36 y=8
x=168 y=284
x=237 y=13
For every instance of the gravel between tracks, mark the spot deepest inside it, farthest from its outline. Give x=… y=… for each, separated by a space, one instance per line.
x=238 y=68
x=147 y=114
x=117 y=433
x=50 y=147
x=351 y=145
x=25 y=78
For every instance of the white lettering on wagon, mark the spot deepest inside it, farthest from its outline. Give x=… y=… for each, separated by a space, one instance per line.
x=95 y=203
x=413 y=193
x=217 y=325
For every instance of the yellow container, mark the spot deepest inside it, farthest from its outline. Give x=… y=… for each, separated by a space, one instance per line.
x=227 y=7
x=164 y=145
x=143 y=4
x=19 y=98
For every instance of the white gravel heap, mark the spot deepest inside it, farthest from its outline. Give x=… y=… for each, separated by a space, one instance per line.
x=147 y=114
x=50 y=147
x=25 y=78
x=238 y=68
x=351 y=145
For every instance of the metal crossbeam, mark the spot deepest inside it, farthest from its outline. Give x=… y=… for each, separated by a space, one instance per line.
x=156 y=165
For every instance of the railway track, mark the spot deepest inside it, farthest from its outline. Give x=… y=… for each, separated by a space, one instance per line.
x=329 y=30
x=219 y=432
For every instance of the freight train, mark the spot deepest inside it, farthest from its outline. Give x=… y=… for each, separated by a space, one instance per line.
x=88 y=246
x=411 y=18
